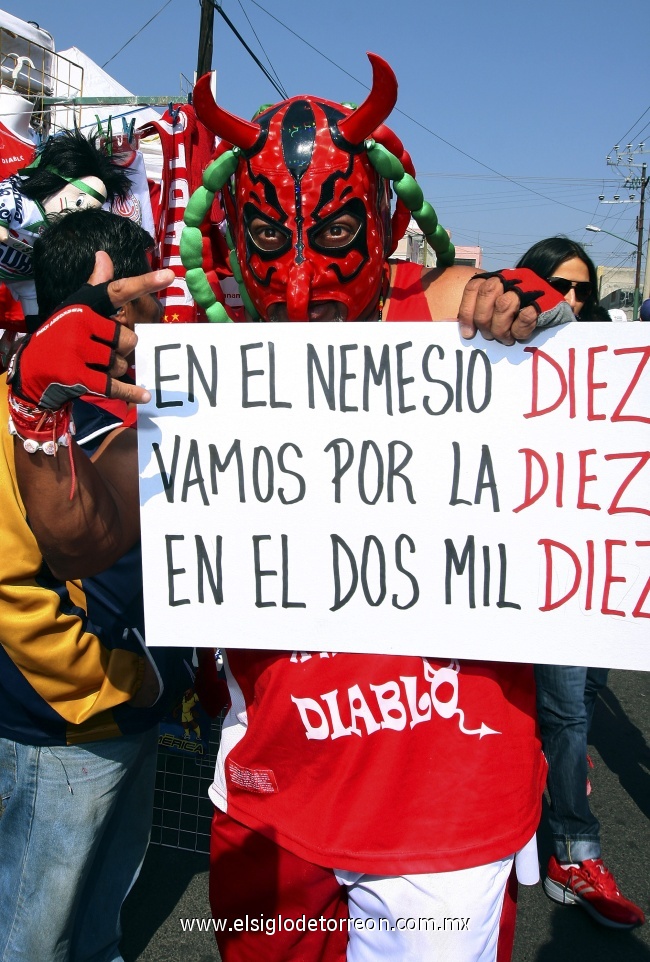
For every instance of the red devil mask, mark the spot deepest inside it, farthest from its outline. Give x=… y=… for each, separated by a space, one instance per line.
x=309 y=215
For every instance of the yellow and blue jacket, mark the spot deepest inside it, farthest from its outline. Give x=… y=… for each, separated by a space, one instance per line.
x=71 y=653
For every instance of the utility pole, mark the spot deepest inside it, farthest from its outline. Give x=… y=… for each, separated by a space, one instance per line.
x=639 y=245
x=646 y=283
x=627 y=157
x=206 y=29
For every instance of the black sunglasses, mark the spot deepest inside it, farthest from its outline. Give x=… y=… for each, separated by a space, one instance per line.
x=562 y=285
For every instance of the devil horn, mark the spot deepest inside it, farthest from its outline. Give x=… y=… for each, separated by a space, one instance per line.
x=239 y=132
x=377 y=105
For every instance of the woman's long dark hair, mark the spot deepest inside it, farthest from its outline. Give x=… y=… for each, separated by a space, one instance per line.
x=545 y=257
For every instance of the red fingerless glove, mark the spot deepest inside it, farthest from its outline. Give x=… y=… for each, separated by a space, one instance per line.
x=69 y=355
x=529 y=288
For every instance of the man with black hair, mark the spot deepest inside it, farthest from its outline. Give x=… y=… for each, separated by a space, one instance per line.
x=57 y=274
x=80 y=695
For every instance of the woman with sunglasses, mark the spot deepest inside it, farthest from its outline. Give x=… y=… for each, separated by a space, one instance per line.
x=566 y=695
x=566 y=266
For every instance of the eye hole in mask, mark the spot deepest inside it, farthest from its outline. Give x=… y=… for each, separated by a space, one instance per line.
x=341 y=231
x=265 y=235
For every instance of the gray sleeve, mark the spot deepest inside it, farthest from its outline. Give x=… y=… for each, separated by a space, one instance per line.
x=560 y=314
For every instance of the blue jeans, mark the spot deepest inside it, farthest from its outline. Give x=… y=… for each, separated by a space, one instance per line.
x=566 y=697
x=74 y=829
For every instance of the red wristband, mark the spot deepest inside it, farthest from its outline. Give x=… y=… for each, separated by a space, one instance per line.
x=39 y=430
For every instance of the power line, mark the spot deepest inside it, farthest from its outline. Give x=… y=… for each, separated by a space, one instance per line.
x=548 y=179
x=137 y=34
x=643 y=129
x=621 y=139
x=274 y=83
x=268 y=59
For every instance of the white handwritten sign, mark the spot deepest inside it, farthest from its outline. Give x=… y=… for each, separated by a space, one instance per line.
x=393 y=488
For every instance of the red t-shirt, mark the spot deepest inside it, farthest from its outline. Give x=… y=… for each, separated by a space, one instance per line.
x=382 y=764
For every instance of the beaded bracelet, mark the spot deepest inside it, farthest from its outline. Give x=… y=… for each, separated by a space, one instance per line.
x=39 y=430
x=45 y=431
x=49 y=447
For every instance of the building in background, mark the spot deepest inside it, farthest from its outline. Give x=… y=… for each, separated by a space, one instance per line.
x=471 y=256
x=413 y=248
x=616 y=288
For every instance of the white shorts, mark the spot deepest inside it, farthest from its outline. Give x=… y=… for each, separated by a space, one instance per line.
x=440 y=917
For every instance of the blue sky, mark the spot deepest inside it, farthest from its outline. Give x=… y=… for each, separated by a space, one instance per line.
x=508 y=109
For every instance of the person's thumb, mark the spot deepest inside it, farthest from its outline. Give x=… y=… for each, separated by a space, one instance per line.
x=103 y=270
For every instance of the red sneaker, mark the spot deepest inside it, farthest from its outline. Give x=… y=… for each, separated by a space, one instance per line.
x=592 y=885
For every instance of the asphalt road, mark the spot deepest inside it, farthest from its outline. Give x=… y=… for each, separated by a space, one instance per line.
x=173 y=883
